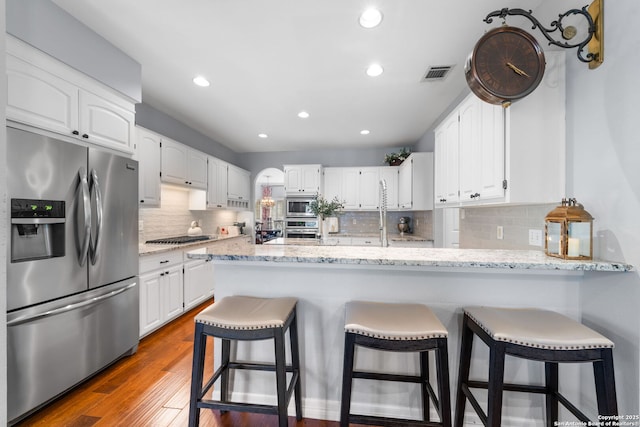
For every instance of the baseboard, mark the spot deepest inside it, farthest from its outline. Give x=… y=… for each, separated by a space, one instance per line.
x=330 y=410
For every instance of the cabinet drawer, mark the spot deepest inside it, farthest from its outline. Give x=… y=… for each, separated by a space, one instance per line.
x=163 y=260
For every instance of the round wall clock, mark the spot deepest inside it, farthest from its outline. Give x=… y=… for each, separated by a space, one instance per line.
x=506 y=64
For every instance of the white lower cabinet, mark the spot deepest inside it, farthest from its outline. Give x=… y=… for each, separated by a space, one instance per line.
x=198 y=282
x=161 y=293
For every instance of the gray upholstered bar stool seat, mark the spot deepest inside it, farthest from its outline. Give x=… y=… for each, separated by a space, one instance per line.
x=533 y=334
x=396 y=327
x=246 y=318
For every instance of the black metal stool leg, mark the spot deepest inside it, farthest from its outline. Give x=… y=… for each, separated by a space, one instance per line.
x=424 y=378
x=466 y=346
x=197 y=374
x=295 y=362
x=444 y=392
x=224 y=364
x=281 y=377
x=347 y=378
x=496 y=383
x=551 y=381
x=605 y=384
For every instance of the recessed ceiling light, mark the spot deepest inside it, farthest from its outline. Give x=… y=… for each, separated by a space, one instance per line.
x=371 y=18
x=303 y=115
x=201 y=81
x=365 y=132
x=374 y=70
x=263 y=135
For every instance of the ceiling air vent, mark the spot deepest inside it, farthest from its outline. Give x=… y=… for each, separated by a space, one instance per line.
x=437 y=73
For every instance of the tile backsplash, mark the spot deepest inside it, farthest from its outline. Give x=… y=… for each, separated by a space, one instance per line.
x=478 y=226
x=356 y=222
x=174 y=218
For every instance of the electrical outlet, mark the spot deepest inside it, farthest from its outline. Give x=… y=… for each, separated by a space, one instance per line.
x=354 y=221
x=535 y=237
x=500 y=233
x=140 y=225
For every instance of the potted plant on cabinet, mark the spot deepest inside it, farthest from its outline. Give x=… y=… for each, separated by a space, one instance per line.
x=395 y=159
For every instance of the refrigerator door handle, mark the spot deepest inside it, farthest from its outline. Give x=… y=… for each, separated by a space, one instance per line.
x=69 y=307
x=86 y=203
x=95 y=189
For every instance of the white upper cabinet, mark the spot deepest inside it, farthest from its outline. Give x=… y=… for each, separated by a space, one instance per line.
x=514 y=155
x=238 y=187
x=415 y=182
x=302 y=180
x=183 y=165
x=332 y=183
x=390 y=176
x=217 y=183
x=47 y=94
x=148 y=155
x=360 y=188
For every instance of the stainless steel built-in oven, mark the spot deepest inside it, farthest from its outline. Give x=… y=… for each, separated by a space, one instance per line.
x=301 y=228
x=299 y=207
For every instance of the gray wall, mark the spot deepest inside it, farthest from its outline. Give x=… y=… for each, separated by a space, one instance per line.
x=157 y=121
x=52 y=30
x=255 y=162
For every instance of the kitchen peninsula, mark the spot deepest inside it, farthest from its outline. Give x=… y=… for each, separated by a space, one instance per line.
x=324 y=278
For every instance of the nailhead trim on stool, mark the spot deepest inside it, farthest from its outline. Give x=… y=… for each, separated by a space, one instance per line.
x=396 y=327
x=246 y=318
x=532 y=334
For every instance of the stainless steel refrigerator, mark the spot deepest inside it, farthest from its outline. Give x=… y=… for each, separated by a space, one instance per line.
x=72 y=285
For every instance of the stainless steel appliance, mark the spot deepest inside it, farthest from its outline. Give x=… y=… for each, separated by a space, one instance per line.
x=301 y=228
x=72 y=285
x=299 y=207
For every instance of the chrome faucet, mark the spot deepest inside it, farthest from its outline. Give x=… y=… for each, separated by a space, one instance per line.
x=384 y=238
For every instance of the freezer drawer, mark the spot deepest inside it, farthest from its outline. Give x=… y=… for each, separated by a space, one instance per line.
x=54 y=346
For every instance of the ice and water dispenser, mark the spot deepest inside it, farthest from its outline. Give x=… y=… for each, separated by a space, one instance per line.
x=37 y=229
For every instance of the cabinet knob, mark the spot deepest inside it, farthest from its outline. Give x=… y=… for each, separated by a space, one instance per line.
x=141 y=201
x=84 y=135
x=75 y=132
x=162 y=274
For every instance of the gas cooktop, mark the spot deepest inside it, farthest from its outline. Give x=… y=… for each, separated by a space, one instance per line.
x=179 y=240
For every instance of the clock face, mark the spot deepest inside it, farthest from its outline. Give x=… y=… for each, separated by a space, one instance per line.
x=507 y=63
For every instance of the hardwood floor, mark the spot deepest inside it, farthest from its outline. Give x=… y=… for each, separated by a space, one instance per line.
x=150 y=388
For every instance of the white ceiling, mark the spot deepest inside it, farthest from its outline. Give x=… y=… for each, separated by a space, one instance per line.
x=269 y=59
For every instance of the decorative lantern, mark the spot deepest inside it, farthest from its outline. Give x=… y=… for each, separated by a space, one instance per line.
x=568 y=231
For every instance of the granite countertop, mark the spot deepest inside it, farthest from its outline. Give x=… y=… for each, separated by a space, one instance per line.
x=241 y=250
x=156 y=248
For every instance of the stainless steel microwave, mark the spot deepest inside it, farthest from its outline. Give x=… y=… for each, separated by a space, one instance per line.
x=299 y=207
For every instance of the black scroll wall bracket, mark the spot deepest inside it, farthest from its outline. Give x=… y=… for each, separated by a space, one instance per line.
x=593 y=42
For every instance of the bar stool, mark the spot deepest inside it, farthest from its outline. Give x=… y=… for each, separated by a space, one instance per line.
x=246 y=318
x=396 y=327
x=533 y=334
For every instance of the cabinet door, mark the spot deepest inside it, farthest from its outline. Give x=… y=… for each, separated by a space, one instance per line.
x=40 y=99
x=197 y=169
x=405 y=184
x=332 y=183
x=216 y=183
x=173 y=292
x=174 y=162
x=451 y=166
x=198 y=282
x=310 y=179
x=292 y=179
x=104 y=122
x=470 y=156
x=148 y=150
x=440 y=166
x=238 y=183
x=150 y=302
x=350 y=188
x=492 y=168
x=390 y=175
x=369 y=191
